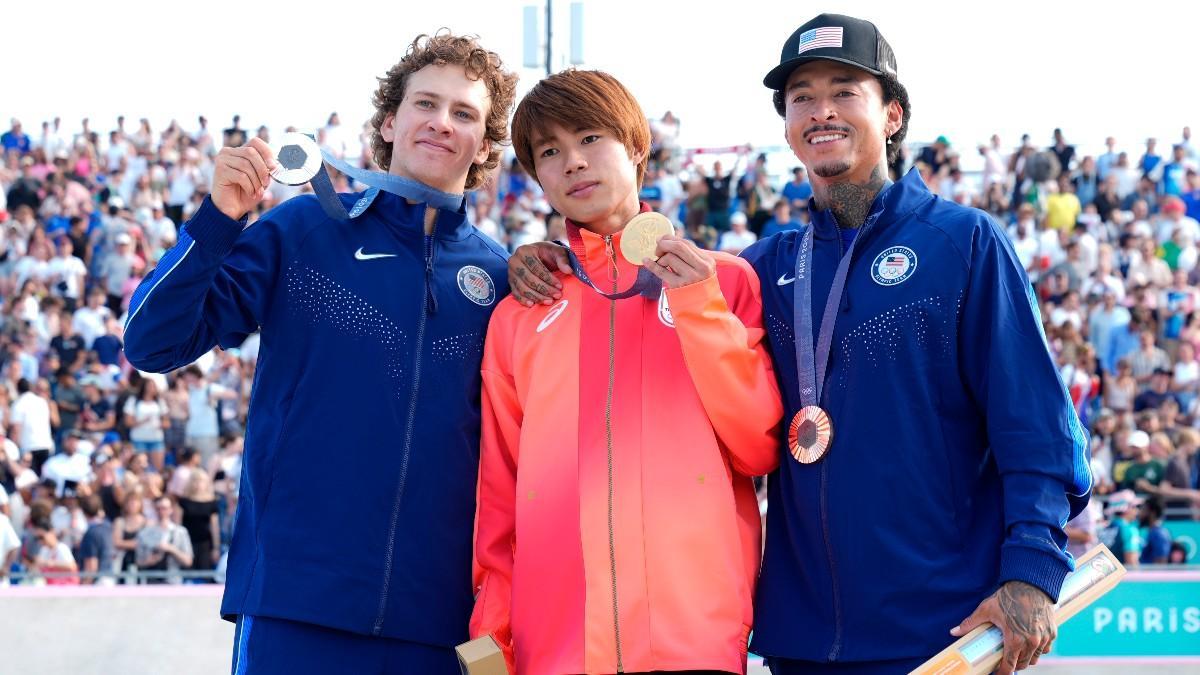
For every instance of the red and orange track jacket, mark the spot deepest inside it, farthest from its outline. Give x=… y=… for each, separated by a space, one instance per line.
x=617 y=526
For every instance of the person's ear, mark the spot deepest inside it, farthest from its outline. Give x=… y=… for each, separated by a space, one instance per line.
x=387 y=130
x=485 y=149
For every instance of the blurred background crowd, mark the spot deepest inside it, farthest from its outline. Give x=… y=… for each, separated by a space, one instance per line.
x=109 y=475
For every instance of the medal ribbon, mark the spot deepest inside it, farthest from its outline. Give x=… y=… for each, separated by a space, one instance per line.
x=812 y=365
x=400 y=186
x=647 y=285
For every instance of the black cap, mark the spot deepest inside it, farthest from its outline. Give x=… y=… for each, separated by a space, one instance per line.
x=834 y=37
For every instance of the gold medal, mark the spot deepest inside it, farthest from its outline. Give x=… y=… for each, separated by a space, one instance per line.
x=640 y=238
x=810 y=434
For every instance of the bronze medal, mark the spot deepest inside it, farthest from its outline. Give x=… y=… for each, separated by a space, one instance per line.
x=810 y=434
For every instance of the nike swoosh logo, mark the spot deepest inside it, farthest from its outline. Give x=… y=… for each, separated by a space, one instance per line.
x=784 y=280
x=359 y=255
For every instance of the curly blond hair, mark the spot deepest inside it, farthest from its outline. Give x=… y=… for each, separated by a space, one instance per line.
x=442 y=49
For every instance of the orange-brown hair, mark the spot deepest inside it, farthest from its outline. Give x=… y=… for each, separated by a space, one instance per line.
x=581 y=99
x=480 y=64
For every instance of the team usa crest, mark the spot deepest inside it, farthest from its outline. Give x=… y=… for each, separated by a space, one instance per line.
x=895 y=265
x=475 y=283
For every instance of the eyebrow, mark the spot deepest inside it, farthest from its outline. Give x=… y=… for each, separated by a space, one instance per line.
x=430 y=94
x=545 y=137
x=837 y=79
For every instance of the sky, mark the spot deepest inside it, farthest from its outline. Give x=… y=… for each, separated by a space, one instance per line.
x=972 y=69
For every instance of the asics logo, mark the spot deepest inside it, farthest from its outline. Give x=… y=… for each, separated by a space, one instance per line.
x=553 y=314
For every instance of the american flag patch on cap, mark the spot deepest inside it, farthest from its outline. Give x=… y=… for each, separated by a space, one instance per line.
x=819 y=38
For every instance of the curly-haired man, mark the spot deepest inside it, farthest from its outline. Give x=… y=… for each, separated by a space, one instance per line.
x=351 y=550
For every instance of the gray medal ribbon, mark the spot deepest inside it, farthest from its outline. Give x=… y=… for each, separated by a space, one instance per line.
x=813 y=365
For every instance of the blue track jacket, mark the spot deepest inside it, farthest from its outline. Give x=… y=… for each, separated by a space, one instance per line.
x=957 y=456
x=362 y=445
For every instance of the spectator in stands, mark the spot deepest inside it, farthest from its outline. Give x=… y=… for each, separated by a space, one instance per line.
x=30 y=425
x=146 y=417
x=738 y=237
x=781 y=219
x=1148 y=359
x=1173 y=179
x=203 y=426
x=719 y=193
x=1156 y=537
x=1123 y=536
x=198 y=506
x=1158 y=393
x=10 y=547
x=1081 y=530
x=126 y=528
x=1062 y=206
x=91 y=319
x=96 y=550
x=798 y=190
x=68 y=466
x=177 y=400
x=164 y=546
x=1180 y=486
x=98 y=416
x=1063 y=151
x=181 y=477
x=1149 y=163
x=1142 y=469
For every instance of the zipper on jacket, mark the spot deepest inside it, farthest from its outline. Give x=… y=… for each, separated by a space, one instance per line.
x=408 y=433
x=833 y=577
x=608 y=437
x=836 y=647
x=431 y=305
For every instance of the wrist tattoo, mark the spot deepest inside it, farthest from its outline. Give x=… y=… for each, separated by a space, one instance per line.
x=1028 y=610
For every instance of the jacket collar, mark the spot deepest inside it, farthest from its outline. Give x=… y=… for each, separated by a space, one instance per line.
x=591 y=249
x=450 y=225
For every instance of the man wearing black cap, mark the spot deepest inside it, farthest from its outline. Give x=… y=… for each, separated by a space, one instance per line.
x=934 y=454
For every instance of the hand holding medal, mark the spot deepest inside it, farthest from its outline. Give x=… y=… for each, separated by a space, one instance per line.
x=649 y=240
x=241 y=177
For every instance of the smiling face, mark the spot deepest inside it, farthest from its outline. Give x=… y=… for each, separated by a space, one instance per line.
x=437 y=131
x=836 y=122
x=588 y=176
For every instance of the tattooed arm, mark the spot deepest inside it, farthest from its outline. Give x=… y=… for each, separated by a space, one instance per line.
x=1026 y=617
x=529 y=273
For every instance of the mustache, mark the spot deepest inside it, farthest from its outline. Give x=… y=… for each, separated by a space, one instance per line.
x=825 y=127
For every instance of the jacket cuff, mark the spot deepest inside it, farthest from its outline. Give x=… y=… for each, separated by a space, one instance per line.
x=693 y=298
x=213 y=231
x=1041 y=569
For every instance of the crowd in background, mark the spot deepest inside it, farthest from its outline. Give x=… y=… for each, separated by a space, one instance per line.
x=106 y=472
